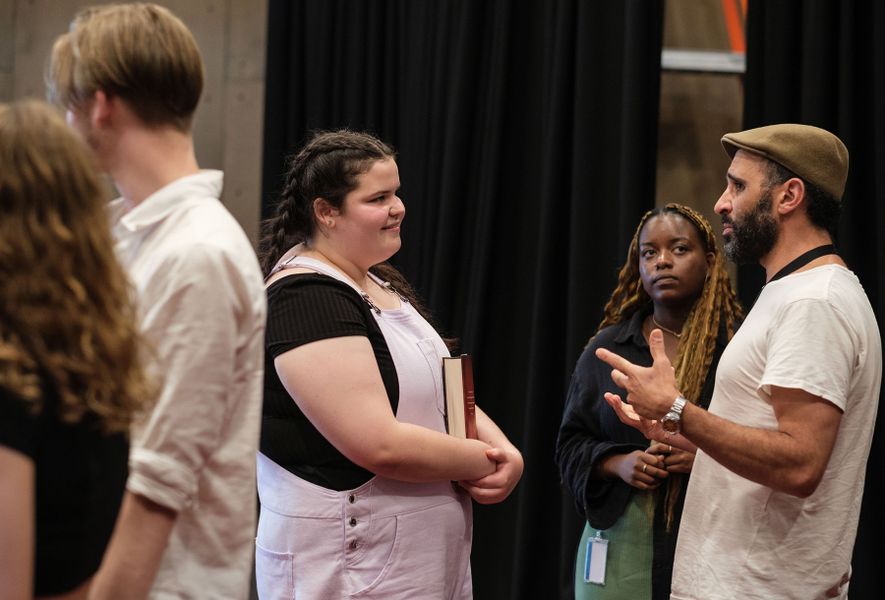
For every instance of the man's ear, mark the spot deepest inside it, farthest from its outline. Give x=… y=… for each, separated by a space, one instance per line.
x=792 y=195
x=101 y=109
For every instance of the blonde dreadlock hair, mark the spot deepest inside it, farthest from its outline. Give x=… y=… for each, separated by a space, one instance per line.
x=716 y=307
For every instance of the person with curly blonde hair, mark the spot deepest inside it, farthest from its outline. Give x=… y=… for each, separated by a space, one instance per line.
x=630 y=492
x=71 y=377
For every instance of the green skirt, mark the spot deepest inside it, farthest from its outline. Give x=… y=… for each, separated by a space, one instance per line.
x=628 y=564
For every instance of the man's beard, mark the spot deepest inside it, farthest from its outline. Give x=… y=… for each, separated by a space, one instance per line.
x=754 y=236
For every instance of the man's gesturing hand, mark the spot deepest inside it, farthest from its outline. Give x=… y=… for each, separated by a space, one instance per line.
x=650 y=390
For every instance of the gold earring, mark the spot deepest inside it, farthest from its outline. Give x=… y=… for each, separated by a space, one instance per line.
x=329 y=222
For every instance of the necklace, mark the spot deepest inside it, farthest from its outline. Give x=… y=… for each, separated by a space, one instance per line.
x=363 y=292
x=678 y=336
x=385 y=285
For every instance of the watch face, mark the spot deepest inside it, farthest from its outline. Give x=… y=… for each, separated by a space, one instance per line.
x=669 y=424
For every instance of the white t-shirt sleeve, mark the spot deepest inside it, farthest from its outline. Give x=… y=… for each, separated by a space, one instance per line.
x=811 y=347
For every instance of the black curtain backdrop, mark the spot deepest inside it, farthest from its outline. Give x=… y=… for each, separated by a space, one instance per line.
x=822 y=62
x=527 y=135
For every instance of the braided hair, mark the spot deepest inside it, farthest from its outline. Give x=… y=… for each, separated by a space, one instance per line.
x=326 y=167
x=716 y=308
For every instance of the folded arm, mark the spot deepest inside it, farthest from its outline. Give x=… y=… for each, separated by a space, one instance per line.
x=509 y=464
x=337 y=385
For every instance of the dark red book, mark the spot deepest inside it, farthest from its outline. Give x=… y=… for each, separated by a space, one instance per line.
x=460 y=396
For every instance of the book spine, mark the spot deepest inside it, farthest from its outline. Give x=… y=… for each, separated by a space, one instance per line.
x=469 y=397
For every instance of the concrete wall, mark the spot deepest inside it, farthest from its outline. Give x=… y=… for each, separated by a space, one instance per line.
x=229 y=123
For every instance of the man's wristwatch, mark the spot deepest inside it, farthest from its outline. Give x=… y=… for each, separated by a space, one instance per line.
x=672 y=420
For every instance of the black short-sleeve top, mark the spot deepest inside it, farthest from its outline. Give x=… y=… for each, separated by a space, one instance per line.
x=80 y=476
x=304 y=308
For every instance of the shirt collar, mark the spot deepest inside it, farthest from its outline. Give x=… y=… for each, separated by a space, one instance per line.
x=156 y=207
x=633 y=329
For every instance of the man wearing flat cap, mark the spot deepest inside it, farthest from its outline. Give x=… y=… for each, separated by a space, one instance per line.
x=772 y=506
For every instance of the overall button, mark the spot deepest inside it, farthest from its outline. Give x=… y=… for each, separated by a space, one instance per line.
x=351 y=498
x=352 y=522
x=353 y=545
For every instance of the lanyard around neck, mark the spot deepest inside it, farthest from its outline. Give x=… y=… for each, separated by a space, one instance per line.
x=803 y=259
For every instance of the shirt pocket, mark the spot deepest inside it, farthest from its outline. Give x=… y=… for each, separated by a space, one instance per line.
x=274 y=574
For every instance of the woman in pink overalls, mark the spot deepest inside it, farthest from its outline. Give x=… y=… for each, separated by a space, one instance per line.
x=355 y=471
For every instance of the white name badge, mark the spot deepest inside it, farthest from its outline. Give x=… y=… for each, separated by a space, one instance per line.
x=594 y=562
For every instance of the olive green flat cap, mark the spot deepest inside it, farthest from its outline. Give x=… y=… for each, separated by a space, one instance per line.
x=812 y=153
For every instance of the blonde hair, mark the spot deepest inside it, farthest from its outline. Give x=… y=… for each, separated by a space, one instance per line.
x=716 y=307
x=67 y=318
x=139 y=52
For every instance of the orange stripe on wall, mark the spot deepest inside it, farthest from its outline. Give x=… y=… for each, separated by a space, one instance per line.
x=733 y=10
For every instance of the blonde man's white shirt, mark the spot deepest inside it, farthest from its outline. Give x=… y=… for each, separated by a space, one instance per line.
x=202 y=308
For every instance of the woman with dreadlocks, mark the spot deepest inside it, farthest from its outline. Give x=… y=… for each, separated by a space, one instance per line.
x=630 y=492
x=355 y=467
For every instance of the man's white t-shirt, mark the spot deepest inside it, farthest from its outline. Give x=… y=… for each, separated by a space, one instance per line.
x=814 y=330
